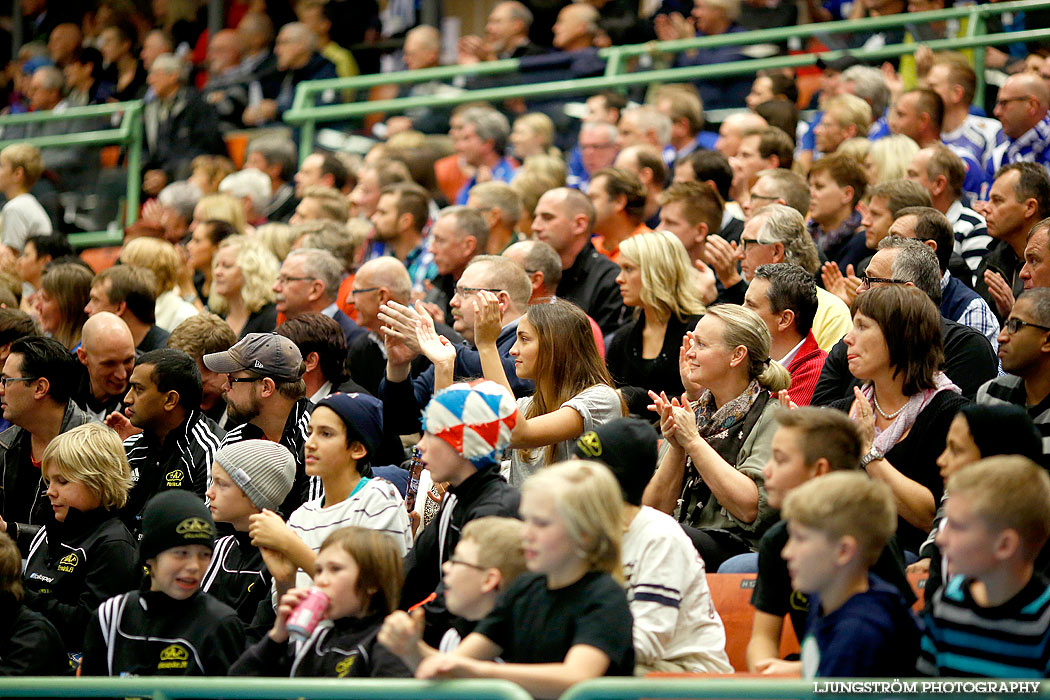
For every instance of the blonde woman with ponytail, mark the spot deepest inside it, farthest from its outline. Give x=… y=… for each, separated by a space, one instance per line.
x=719 y=445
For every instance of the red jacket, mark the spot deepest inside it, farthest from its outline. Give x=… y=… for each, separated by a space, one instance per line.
x=805 y=370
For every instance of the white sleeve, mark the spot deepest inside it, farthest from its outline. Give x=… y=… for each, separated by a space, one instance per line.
x=658 y=584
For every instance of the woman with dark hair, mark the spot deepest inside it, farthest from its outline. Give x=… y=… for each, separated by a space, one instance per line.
x=204 y=241
x=124 y=73
x=658 y=281
x=719 y=445
x=59 y=305
x=906 y=404
x=976 y=432
x=84 y=78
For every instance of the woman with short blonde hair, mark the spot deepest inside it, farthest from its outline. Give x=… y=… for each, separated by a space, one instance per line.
x=243 y=274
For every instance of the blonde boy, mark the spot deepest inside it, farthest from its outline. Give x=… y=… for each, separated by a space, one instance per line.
x=20 y=167
x=487 y=558
x=992 y=617
x=859 y=626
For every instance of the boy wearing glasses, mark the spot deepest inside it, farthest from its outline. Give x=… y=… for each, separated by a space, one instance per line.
x=1024 y=348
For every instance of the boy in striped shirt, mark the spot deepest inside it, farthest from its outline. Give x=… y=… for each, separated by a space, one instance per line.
x=992 y=618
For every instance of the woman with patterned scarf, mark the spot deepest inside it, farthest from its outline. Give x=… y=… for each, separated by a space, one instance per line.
x=905 y=405
x=719 y=443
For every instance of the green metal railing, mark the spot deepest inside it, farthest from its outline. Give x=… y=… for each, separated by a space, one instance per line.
x=261 y=688
x=128 y=134
x=306 y=115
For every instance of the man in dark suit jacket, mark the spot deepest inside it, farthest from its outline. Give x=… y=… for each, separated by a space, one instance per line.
x=179 y=125
x=309 y=283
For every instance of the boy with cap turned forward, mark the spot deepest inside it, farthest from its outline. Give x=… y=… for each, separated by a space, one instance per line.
x=466 y=428
x=246 y=478
x=265 y=391
x=676 y=626
x=170 y=628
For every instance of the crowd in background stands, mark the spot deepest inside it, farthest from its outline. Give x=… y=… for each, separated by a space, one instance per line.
x=506 y=386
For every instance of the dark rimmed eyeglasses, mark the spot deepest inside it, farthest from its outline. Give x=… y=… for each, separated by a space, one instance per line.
x=241 y=380
x=467 y=291
x=868 y=281
x=748 y=242
x=1013 y=325
x=453 y=560
x=285 y=279
x=366 y=290
x=5 y=380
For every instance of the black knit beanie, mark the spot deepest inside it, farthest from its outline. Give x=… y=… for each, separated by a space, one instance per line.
x=175 y=518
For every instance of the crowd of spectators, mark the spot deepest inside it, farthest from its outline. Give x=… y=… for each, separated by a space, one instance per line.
x=506 y=388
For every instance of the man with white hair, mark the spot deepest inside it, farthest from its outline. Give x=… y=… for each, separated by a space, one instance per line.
x=506 y=36
x=297 y=61
x=251 y=187
x=646 y=125
x=179 y=126
x=868 y=84
x=597 y=144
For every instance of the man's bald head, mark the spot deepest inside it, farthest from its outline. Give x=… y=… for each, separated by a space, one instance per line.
x=388 y=272
x=733 y=129
x=105 y=328
x=1032 y=84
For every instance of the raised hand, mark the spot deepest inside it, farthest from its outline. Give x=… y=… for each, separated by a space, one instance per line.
x=721 y=256
x=488 y=319
x=1000 y=291
x=399 y=321
x=861 y=413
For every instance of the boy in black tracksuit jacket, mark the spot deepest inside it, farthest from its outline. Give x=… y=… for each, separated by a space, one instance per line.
x=247 y=477
x=169 y=627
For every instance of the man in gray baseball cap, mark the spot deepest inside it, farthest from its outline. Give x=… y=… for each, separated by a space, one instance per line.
x=265 y=392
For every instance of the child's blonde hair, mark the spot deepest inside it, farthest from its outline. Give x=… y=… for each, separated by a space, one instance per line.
x=590 y=504
x=1008 y=492
x=844 y=504
x=91 y=454
x=10 y=567
x=380 y=574
x=499 y=544
x=26 y=157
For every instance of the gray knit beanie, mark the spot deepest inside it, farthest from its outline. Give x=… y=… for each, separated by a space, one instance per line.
x=264 y=470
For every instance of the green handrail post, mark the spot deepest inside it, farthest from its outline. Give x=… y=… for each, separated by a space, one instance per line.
x=614 y=62
x=980 y=27
x=134 y=125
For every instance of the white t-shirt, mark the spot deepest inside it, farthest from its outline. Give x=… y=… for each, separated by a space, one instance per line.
x=375 y=504
x=597 y=405
x=676 y=626
x=22 y=217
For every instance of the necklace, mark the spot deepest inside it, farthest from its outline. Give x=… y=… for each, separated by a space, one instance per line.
x=887 y=416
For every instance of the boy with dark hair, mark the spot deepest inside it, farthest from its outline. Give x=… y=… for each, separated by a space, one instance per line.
x=809 y=443
x=993 y=617
x=859 y=626
x=246 y=478
x=676 y=627
x=169 y=628
x=837 y=183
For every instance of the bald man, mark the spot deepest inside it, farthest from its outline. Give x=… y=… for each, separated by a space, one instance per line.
x=377 y=282
x=107 y=351
x=39 y=409
x=1023 y=108
x=733 y=129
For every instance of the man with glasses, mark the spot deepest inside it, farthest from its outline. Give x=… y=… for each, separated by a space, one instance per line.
x=777 y=233
x=308 y=283
x=377 y=282
x=176 y=442
x=1023 y=107
x=598 y=149
x=501 y=276
x=1024 y=348
x=265 y=389
x=969 y=359
x=35 y=395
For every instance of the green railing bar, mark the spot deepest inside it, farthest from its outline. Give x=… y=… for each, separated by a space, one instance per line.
x=590 y=85
x=108 y=137
x=305 y=89
x=71 y=113
x=131 y=213
x=262 y=688
x=978 y=25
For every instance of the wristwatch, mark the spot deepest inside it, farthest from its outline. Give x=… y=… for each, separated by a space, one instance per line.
x=872 y=455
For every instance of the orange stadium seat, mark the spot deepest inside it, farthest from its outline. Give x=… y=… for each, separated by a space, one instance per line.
x=731 y=594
